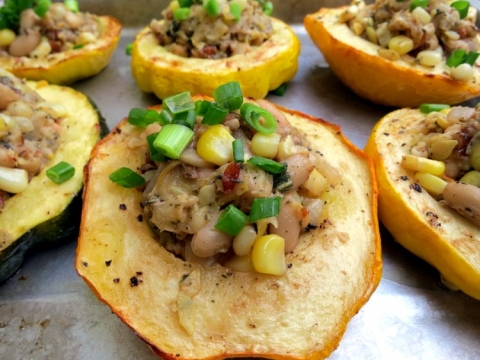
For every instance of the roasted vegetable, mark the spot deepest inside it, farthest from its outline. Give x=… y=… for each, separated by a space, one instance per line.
x=45 y=212
x=415 y=217
x=41 y=55
x=186 y=310
x=265 y=68
x=382 y=75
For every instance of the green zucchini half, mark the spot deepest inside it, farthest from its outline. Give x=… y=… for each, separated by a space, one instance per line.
x=47 y=213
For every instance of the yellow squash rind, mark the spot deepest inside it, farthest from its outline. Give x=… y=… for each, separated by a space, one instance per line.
x=416 y=220
x=394 y=83
x=267 y=67
x=301 y=315
x=69 y=66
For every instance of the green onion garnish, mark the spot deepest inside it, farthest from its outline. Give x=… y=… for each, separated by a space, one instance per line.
x=165 y=117
x=428 y=108
x=462 y=8
x=418 y=3
x=186 y=118
x=231 y=220
x=72 y=5
x=185 y=3
x=270 y=166
x=280 y=91
x=268 y=8
x=128 y=49
x=212 y=7
x=238 y=152
x=201 y=107
x=142 y=117
x=258 y=118
x=236 y=11
x=173 y=139
x=229 y=95
x=127 y=178
x=265 y=207
x=60 y=172
x=471 y=58
x=179 y=103
x=42 y=7
x=456 y=58
x=182 y=13
x=214 y=115
x=155 y=155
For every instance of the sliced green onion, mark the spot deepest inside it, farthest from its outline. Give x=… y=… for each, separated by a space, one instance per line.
x=182 y=13
x=456 y=58
x=258 y=118
x=236 y=10
x=265 y=207
x=179 y=103
x=269 y=165
x=231 y=220
x=165 y=117
x=187 y=118
x=238 y=152
x=229 y=95
x=173 y=139
x=471 y=58
x=128 y=49
x=268 y=8
x=280 y=91
x=462 y=8
x=418 y=3
x=212 y=7
x=79 y=46
x=185 y=3
x=428 y=108
x=42 y=7
x=60 y=172
x=155 y=155
x=201 y=107
x=142 y=117
x=214 y=115
x=72 y=5
x=21 y=4
x=127 y=178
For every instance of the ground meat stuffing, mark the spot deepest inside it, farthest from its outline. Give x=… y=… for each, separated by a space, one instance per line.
x=213 y=37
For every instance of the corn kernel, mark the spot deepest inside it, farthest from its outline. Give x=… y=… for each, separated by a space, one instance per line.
x=463 y=72
x=401 y=44
x=240 y=263
x=215 y=145
x=383 y=34
x=315 y=184
x=472 y=177
x=243 y=242
x=174 y=5
x=268 y=255
x=13 y=180
x=422 y=15
x=371 y=35
x=433 y=184
x=429 y=57
x=417 y=163
x=442 y=149
x=186 y=313
x=6 y=37
x=265 y=145
x=43 y=49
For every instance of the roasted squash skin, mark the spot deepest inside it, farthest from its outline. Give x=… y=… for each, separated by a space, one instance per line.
x=393 y=83
x=274 y=62
x=416 y=220
x=301 y=315
x=53 y=210
x=69 y=66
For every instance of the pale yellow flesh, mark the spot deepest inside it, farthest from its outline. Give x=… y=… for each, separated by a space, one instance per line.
x=34 y=205
x=300 y=315
x=267 y=67
x=417 y=221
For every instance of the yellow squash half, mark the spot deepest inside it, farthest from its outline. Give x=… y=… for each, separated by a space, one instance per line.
x=301 y=315
x=267 y=67
x=69 y=66
x=416 y=220
x=394 y=83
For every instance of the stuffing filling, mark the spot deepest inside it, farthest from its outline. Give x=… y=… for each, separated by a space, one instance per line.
x=202 y=32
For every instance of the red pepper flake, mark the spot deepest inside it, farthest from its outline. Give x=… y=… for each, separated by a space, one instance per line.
x=133 y=281
x=230 y=176
x=123 y=207
x=116 y=280
x=108 y=262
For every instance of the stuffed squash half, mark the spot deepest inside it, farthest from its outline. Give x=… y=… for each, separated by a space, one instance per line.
x=41 y=126
x=253 y=233
x=401 y=53
x=200 y=46
x=427 y=169
x=40 y=40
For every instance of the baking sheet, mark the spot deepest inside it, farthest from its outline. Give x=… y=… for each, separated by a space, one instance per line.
x=48 y=312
